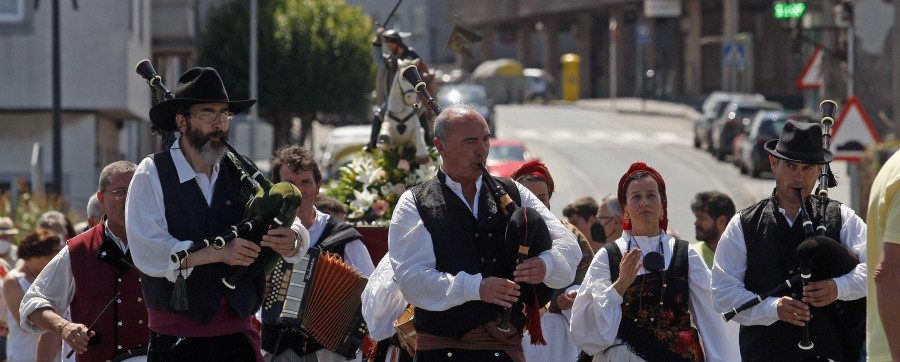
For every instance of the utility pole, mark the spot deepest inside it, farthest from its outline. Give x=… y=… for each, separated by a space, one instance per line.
x=251 y=117
x=729 y=32
x=57 y=106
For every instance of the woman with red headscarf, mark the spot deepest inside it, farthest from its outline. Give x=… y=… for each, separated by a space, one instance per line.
x=555 y=324
x=643 y=290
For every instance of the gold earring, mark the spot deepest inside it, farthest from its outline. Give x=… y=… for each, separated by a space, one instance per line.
x=660 y=216
x=627 y=217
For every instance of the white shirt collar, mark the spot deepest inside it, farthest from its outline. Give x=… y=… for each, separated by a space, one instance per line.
x=185 y=171
x=318 y=226
x=112 y=236
x=457 y=189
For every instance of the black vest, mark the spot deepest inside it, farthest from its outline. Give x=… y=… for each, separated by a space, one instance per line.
x=190 y=218
x=771 y=259
x=275 y=338
x=463 y=244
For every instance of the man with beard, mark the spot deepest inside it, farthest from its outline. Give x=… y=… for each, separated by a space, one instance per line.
x=189 y=193
x=712 y=210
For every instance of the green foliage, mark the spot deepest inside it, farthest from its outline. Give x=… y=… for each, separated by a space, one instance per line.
x=371 y=185
x=314 y=56
x=29 y=209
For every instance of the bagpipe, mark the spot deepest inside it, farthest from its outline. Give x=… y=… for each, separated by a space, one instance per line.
x=526 y=235
x=821 y=258
x=270 y=205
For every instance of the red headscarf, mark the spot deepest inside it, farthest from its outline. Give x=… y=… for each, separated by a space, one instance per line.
x=642 y=167
x=537 y=169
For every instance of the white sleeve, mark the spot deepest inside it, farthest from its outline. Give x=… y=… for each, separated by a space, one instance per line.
x=53 y=288
x=728 y=279
x=561 y=260
x=358 y=257
x=854 y=234
x=597 y=311
x=382 y=302
x=718 y=343
x=148 y=232
x=413 y=260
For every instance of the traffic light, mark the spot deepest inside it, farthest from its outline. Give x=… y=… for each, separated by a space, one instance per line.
x=791 y=10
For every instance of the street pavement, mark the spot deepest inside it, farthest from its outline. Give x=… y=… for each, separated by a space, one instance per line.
x=588 y=145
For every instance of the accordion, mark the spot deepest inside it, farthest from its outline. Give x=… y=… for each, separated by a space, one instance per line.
x=319 y=297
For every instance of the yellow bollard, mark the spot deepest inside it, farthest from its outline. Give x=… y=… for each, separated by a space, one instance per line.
x=570 y=74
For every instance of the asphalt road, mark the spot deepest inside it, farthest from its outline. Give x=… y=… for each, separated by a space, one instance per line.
x=588 y=149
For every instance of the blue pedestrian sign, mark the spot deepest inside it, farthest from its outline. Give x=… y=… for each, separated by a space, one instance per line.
x=733 y=55
x=642 y=33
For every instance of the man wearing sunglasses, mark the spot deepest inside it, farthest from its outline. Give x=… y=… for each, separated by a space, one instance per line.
x=85 y=275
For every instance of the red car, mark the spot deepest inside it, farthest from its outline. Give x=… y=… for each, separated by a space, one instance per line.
x=506 y=156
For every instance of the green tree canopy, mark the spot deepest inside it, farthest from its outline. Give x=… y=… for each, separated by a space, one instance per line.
x=314 y=56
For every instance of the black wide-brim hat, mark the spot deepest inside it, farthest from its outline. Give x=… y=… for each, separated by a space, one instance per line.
x=196 y=86
x=800 y=142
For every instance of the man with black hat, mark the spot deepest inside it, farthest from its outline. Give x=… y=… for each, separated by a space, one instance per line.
x=758 y=251
x=188 y=193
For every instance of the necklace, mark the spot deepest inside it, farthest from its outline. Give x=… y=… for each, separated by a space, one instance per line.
x=654 y=260
x=29 y=271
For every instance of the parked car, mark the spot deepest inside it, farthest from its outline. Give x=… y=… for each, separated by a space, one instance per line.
x=732 y=123
x=469 y=94
x=340 y=147
x=506 y=156
x=751 y=157
x=540 y=85
x=712 y=109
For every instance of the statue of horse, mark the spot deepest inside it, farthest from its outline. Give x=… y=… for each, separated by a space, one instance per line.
x=398 y=124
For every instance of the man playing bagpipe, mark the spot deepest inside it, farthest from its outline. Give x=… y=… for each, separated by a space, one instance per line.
x=296 y=165
x=449 y=255
x=760 y=249
x=186 y=194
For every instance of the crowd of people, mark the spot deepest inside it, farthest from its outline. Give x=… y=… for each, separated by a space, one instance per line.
x=614 y=283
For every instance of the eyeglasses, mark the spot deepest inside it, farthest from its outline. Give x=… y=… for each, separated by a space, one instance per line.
x=605 y=219
x=210 y=117
x=118 y=193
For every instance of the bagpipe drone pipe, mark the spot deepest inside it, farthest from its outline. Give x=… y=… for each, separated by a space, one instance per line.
x=270 y=205
x=526 y=234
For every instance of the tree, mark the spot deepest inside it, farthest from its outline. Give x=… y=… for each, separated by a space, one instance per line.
x=314 y=57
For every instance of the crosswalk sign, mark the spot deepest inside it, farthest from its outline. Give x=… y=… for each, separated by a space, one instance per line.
x=733 y=55
x=852 y=133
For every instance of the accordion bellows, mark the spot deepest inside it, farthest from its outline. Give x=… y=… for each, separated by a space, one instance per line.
x=319 y=296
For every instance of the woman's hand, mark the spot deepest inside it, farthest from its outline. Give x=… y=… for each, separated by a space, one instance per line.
x=628 y=270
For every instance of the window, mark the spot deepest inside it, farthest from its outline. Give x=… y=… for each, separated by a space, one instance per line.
x=12 y=11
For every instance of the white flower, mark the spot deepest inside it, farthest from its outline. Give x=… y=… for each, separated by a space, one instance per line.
x=386 y=189
x=363 y=200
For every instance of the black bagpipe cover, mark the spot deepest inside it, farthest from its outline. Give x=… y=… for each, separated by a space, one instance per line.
x=828 y=259
x=522 y=220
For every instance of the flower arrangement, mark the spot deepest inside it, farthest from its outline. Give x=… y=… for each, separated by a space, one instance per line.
x=372 y=183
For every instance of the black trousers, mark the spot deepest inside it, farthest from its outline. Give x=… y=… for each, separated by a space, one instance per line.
x=230 y=347
x=465 y=355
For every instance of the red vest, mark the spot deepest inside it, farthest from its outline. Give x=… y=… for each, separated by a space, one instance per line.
x=124 y=325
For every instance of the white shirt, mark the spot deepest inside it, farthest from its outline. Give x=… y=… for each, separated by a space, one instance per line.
x=54 y=287
x=145 y=215
x=21 y=346
x=382 y=302
x=412 y=254
x=355 y=252
x=597 y=310
x=731 y=264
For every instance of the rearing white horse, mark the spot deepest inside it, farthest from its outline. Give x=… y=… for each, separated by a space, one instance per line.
x=400 y=123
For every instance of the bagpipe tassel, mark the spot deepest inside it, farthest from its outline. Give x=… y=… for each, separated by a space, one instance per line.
x=533 y=322
x=179 y=294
